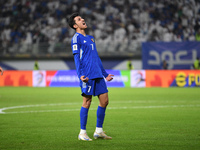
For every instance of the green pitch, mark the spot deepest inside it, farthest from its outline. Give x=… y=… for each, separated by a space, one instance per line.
x=136 y=118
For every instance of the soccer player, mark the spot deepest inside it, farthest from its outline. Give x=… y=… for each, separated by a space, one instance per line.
x=90 y=72
x=1 y=70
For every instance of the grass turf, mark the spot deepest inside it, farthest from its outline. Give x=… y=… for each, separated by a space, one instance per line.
x=136 y=118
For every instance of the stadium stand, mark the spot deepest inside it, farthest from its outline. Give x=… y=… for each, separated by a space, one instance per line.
x=39 y=27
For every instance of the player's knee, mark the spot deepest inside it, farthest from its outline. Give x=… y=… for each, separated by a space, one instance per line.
x=104 y=103
x=87 y=103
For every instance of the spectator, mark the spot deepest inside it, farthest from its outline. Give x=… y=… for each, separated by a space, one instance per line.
x=145 y=21
x=197 y=36
x=196 y=64
x=164 y=65
x=1 y=70
x=36 y=65
x=129 y=65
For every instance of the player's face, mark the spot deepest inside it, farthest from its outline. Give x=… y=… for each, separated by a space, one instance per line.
x=80 y=22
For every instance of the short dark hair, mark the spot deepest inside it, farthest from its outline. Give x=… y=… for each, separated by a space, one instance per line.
x=71 y=21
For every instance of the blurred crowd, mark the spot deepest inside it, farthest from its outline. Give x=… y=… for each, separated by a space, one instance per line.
x=116 y=25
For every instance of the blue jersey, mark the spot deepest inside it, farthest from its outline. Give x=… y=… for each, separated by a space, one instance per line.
x=86 y=57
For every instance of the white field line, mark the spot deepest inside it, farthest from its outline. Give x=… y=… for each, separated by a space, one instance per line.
x=111 y=108
x=61 y=104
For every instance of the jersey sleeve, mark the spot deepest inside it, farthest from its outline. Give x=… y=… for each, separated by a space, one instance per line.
x=75 y=45
x=105 y=74
x=78 y=65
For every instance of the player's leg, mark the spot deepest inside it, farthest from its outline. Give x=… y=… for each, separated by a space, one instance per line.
x=101 y=90
x=84 y=111
x=103 y=102
x=86 y=89
x=87 y=99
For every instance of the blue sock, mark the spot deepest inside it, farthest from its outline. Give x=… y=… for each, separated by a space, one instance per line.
x=83 y=117
x=100 y=116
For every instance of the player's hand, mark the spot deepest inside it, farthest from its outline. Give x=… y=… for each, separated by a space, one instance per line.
x=109 y=77
x=84 y=79
x=1 y=70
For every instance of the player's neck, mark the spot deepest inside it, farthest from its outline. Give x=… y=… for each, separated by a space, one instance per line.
x=81 y=32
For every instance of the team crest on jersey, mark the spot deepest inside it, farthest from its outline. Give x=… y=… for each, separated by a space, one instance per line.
x=92 y=39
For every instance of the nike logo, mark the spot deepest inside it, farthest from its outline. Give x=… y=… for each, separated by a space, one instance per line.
x=84 y=41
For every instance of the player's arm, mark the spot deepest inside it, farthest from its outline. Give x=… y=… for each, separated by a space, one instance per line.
x=76 y=52
x=78 y=69
x=108 y=77
x=77 y=64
